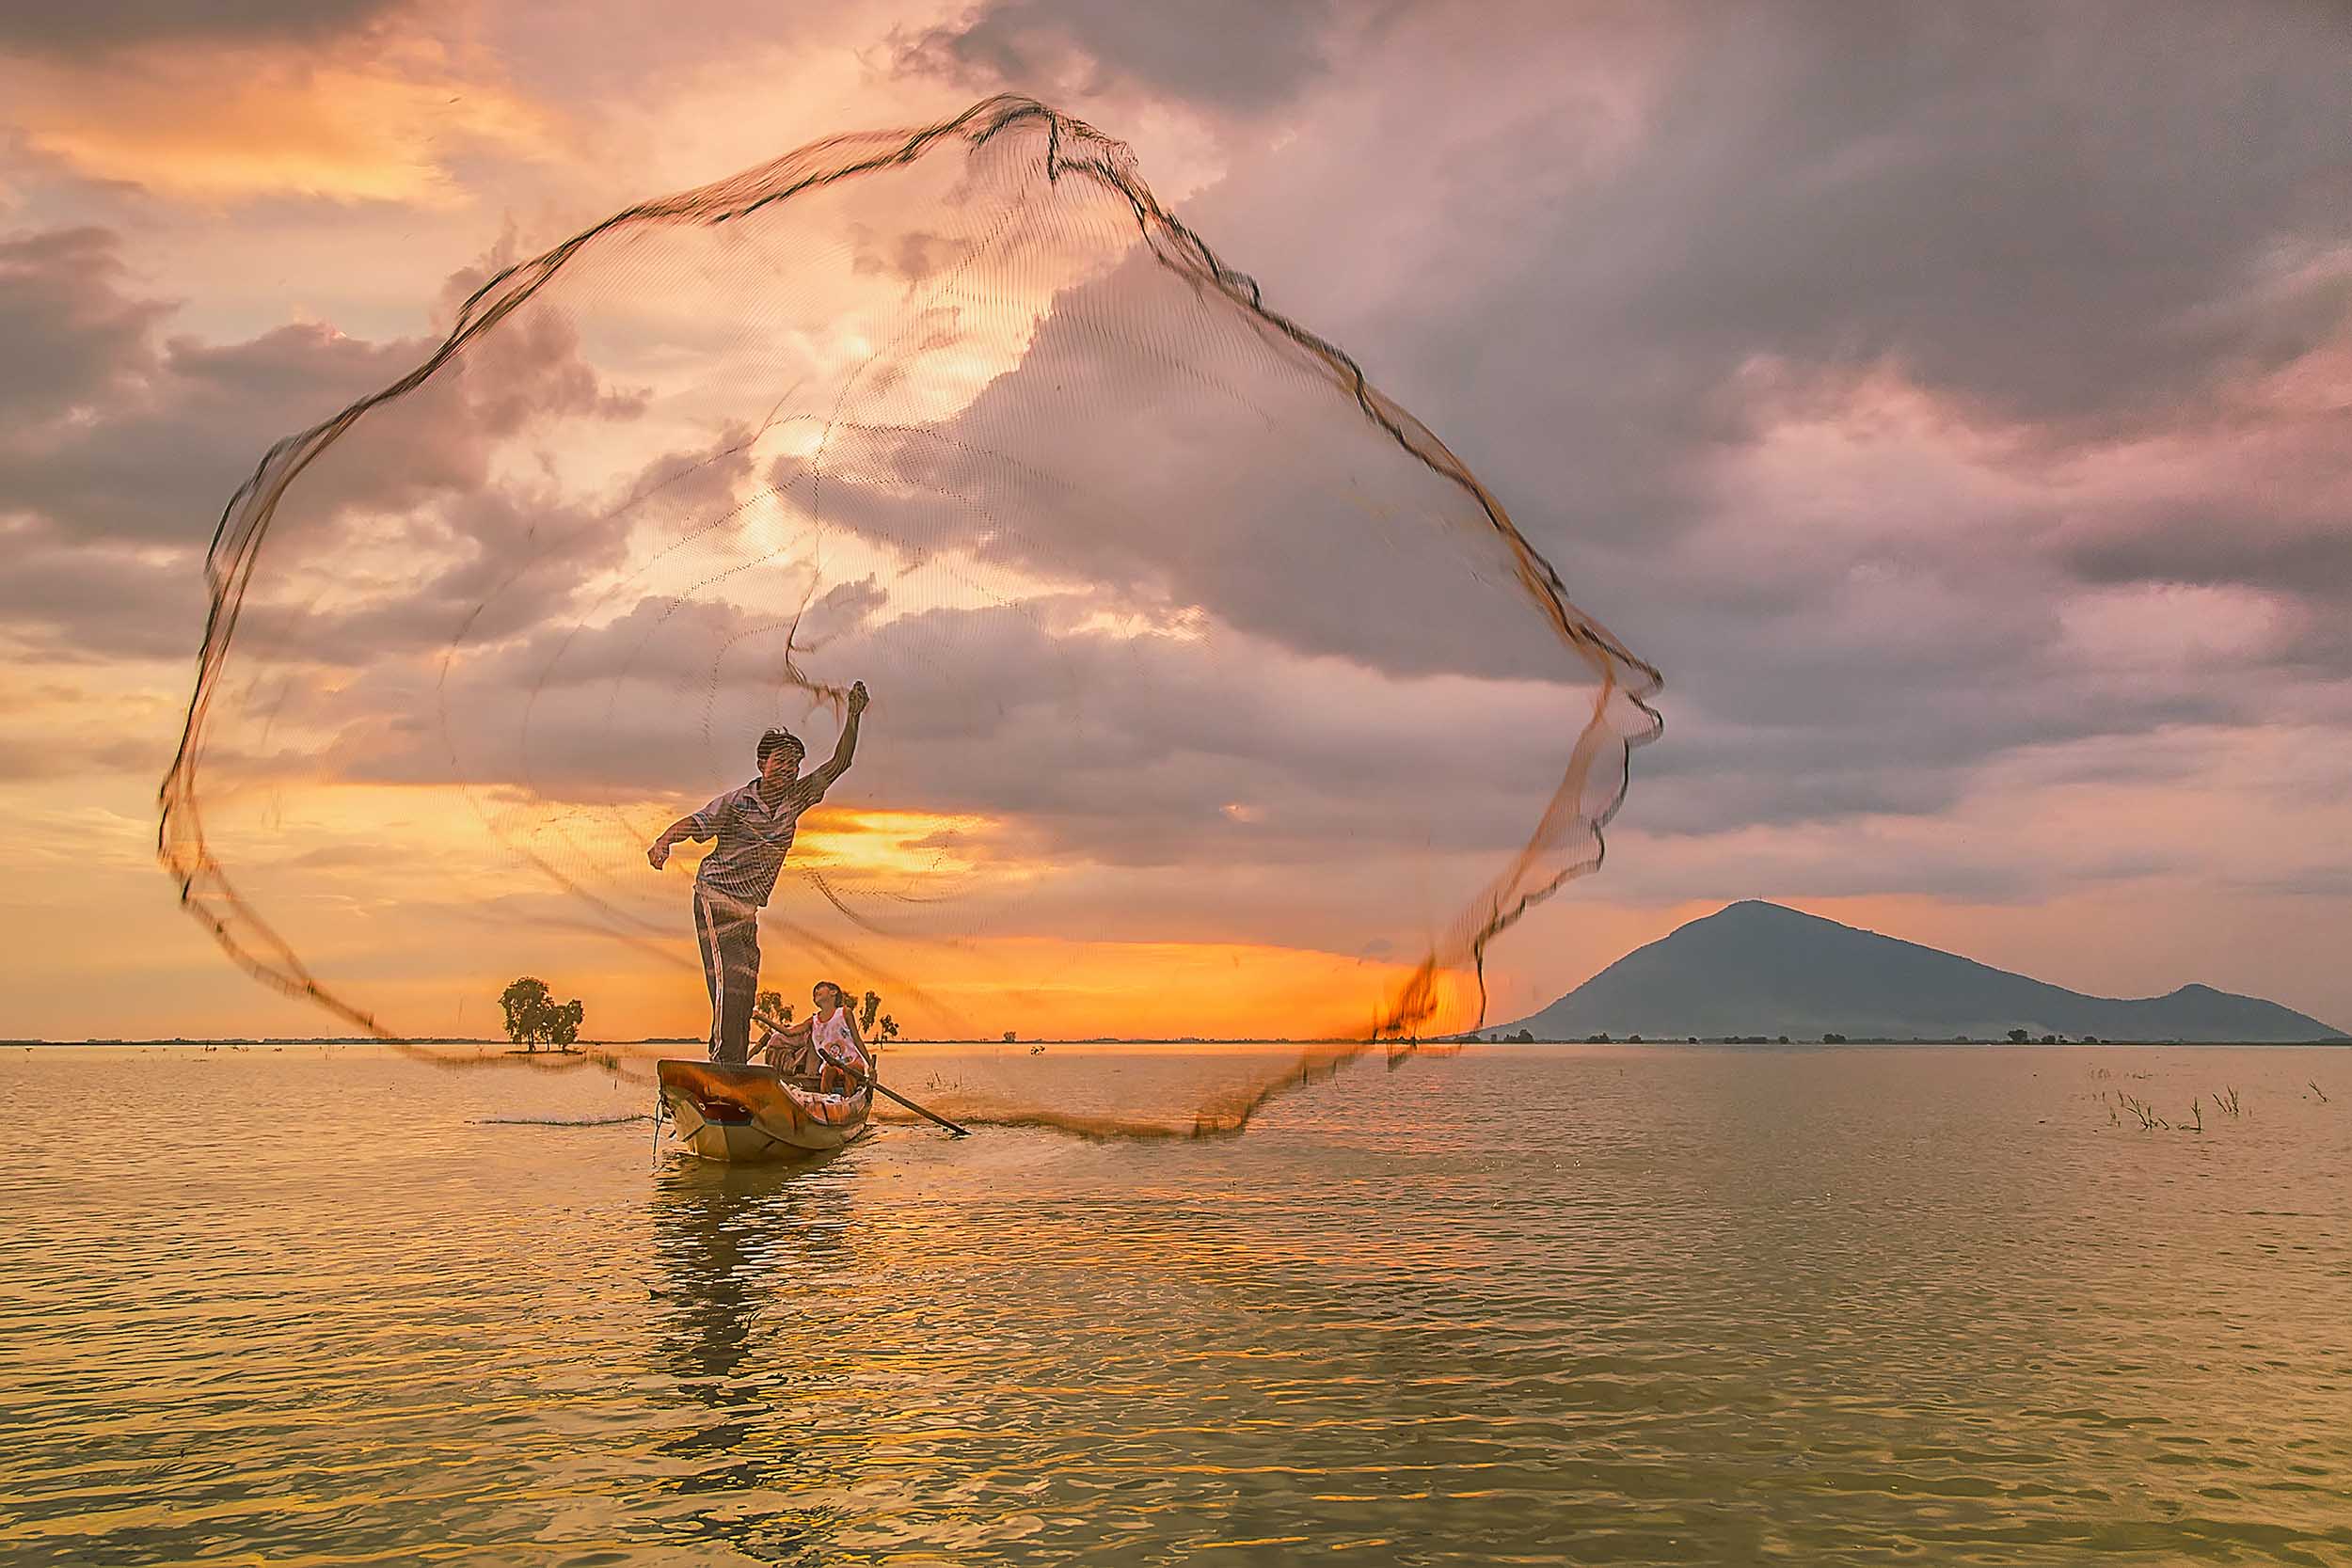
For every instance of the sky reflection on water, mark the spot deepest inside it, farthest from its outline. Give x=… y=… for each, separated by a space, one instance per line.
x=1564 y=1305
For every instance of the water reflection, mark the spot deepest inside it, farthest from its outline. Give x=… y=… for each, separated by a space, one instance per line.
x=1587 y=1304
x=745 y=1255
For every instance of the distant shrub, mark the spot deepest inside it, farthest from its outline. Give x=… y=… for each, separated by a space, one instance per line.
x=534 y=1017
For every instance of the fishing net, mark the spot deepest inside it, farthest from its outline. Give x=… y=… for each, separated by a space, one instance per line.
x=1212 y=695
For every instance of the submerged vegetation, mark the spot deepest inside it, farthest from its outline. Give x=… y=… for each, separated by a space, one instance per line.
x=2119 y=1104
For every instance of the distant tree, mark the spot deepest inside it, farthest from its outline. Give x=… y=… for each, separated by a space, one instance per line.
x=2091 y=1040
x=1833 y=1039
x=1692 y=1041
x=2019 y=1035
x=866 y=1019
x=1784 y=1040
x=2049 y=1040
x=1597 y=1039
x=525 y=1004
x=1634 y=1040
x=533 y=1017
x=772 y=1005
x=1525 y=1037
x=889 y=1027
x=1008 y=1037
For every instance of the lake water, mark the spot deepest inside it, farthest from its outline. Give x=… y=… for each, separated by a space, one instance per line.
x=1664 y=1305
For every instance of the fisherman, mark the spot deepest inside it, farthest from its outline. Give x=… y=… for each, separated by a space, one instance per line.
x=754 y=826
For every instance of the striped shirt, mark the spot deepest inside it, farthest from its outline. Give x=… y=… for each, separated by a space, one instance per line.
x=752 y=838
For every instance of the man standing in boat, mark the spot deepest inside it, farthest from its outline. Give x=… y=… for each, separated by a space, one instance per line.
x=754 y=826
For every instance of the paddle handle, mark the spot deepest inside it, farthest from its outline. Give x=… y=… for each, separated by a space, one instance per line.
x=919 y=1110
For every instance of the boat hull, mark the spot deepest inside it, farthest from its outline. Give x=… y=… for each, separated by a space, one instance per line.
x=750 y=1115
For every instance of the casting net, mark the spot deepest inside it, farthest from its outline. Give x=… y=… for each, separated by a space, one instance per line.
x=1212 y=695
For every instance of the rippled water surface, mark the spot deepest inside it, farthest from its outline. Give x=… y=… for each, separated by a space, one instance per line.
x=1671 y=1304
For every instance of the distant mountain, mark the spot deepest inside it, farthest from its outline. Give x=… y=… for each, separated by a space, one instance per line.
x=1754 y=968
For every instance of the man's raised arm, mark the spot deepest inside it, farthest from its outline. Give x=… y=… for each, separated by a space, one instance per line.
x=847 y=749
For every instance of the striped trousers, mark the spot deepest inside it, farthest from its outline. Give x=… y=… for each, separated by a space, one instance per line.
x=727 y=931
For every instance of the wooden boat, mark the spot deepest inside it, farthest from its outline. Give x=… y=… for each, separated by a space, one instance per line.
x=745 y=1113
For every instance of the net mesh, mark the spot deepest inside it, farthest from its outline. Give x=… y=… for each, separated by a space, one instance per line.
x=1212 y=695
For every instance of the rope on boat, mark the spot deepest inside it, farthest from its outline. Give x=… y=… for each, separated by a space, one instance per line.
x=560 y=1121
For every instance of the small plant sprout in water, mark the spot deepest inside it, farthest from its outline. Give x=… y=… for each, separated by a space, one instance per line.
x=2227 y=1104
x=2322 y=1093
x=2145 y=1112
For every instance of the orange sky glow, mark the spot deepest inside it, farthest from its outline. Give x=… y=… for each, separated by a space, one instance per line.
x=1984 y=624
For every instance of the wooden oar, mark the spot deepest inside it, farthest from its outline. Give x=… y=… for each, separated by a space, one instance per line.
x=876 y=1085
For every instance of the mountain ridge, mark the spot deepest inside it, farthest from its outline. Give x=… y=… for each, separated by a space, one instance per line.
x=1754 y=967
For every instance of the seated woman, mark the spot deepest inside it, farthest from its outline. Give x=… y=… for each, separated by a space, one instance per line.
x=781 y=1048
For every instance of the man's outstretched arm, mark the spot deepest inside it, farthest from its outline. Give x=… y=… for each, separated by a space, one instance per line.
x=847 y=749
x=658 y=853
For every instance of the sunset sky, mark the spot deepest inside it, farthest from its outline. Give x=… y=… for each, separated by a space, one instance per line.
x=1955 y=404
